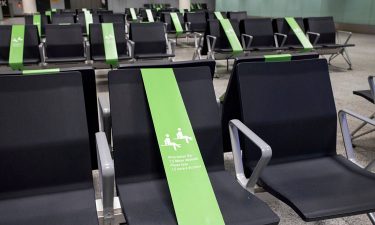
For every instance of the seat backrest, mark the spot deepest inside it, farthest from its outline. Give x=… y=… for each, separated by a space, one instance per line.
x=261 y=29
x=134 y=139
x=97 y=43
x=281 y=26
x=81 y=19
x=31 y=42
x=166 y=18
x=143 y=14
x=325 y=26
x=59 y=44
x=290 y=105
x=128 y=13
x=211 y=15
x=237 y=15
x=146 y=43
x=113 y=18
x=44 y=144
x=214 y=28
x=30 y=21
x=197 y=20
x=62 y=18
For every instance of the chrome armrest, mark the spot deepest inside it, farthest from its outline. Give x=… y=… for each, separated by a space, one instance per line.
x=317 y=36
x=131 y=47
x=371 y=82
x=246 y=40
x=87 y=49
x=198 y=39
x=346 y=132
x=284 y=36
x=42 y=52
x=248 y=184
x=349 y=35
x=105 y=120
x=106 y=176
x=171 y=46
x=165 y=27
x=188 y=26
x=211 y=42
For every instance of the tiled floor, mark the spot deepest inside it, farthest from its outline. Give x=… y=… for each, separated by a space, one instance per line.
x=343 y=83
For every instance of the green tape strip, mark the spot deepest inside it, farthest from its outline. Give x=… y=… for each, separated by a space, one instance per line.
x=230 y=33
x=133 y=14
x=88 y=21
x=110 y=47
x=278 y=58
x=299 y=33
x=42 y=71
x=193 y=198
x=150 y=17
x=199 y=6
x=37 y=21
x=16 y=47
x=176 y=23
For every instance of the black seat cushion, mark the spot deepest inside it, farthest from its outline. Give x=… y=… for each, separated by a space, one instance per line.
x=236 y=204
x=365 y=94
x=153 y=56
x=322 y=188
x=76 y=207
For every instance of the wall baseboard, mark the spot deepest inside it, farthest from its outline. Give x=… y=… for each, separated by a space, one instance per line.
x=356 y=28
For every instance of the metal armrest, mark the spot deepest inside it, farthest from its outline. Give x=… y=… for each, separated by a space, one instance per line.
x=349 y=35
x=284 y=36
x=105 y=120
x=198 y=40
x=346 y=132
x=87 y=50
x=248 y=184
x=172 y=46
x=42 y=52
x=165 y=27
x=188 y=26
x=106 y=176
x=371 y=82
x=131 y=47
x=249 y=38
x=317 y=36
x=211 y=42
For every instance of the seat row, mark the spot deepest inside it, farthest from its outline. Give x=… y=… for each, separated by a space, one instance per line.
x=288 y=144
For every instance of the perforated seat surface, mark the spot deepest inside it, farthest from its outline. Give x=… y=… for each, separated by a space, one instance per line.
x=238 y=207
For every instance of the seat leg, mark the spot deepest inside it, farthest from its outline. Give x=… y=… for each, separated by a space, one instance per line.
x=227 y=64
x=346 y=56
x=360 y=127
x=371 y=216
x=332 y=57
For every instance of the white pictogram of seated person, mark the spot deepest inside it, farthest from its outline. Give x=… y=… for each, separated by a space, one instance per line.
x=181 y=136
x=168 y=142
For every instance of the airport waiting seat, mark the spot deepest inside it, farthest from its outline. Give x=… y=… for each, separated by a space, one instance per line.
x=31 y=50
x=237 y=15
x=290 y=105
x=167 y=20
x=196 y=22
x=44 y=21
x=128 y=15
x=113 y=18
x=143 y=14
x=215 y=43
x=326 y=40
x=97 y=51
x=139 y=186
x=211 y=15
x=45 y=153
x=257 y=36
x=369 y=95
x=281 y=26
x=81 y=19
x=155 y=46
x=62 y=48
x=101 y=11
x=58 y=18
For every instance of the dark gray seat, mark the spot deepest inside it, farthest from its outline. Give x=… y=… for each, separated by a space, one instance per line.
x=45 y=163
x=237 y=15
x=58 y=18
x=281 y=26
x=143 y=190
x=290 y=105
x=197 y=21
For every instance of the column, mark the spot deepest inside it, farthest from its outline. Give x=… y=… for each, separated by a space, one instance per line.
x=29 y=6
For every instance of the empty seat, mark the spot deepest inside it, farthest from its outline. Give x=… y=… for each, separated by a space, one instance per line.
x=143 y=14
x=31 y=53
x=62 y=18
x=323 y=35
x=97 y=44
x=138 y=187
x=290 y=105
x=167 y=19
x=113 y=18
x=29 y=20
x=237 y=15
x=128 y=14
x=261 y=31
x=282 y=26
x=211 y=15
x=150 y=46
x=64 y=43
x=81 y=19
x=196 y=22
x=45 y=152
